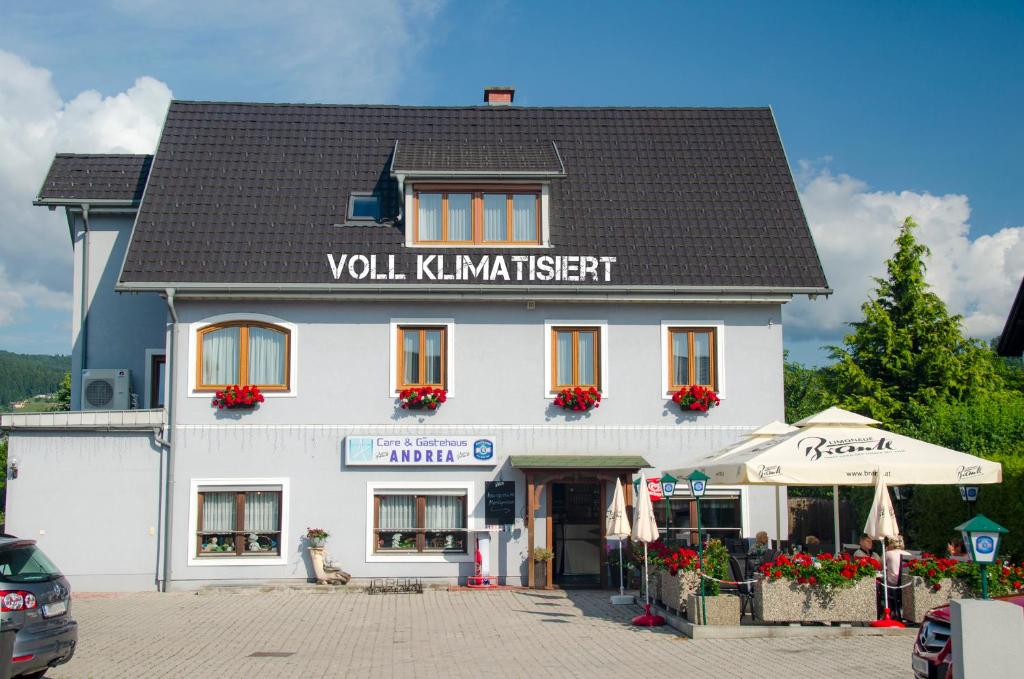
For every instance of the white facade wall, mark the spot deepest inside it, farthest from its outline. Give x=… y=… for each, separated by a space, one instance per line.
x=342 y=386
x=91 y=501
x=119 y=327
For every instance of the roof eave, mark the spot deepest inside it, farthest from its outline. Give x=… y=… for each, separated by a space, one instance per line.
x=92 y=202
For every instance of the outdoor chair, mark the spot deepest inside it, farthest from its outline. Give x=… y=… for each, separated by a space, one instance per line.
x=744 y=590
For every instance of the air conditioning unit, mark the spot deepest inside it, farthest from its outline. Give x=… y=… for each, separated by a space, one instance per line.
x=106 y=389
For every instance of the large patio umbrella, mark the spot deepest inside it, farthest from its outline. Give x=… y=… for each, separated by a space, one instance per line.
x=645 y=530
x=617 y=528
x=881 y=525
x=836 y=447
x=769 y=431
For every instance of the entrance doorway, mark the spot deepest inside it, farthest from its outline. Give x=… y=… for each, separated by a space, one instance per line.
x=576 y=534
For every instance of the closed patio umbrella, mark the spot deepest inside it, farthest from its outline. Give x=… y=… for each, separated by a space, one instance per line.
x=645 y=530
x=881 y=525
x=617 y=528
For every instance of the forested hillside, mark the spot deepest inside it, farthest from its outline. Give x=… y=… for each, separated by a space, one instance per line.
x=24 y=375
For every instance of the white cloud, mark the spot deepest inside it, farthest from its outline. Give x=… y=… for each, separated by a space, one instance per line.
x=854 y=229
x=35 y=123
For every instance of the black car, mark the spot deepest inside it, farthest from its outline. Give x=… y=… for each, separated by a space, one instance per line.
x=35 y=599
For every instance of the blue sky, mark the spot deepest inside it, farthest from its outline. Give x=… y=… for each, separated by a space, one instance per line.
x=913 y=106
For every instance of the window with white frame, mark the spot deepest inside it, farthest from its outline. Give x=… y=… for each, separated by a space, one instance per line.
x=421 y=354
x=243 y=352
x=692 y=357
x=238 y=521
x=575 y=355
x=419 y=522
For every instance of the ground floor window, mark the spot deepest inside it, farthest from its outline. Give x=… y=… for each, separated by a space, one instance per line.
x=411 y=522
x=241 y=521
x=720 y=517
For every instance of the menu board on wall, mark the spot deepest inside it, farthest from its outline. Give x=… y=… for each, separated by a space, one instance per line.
x=499 y=503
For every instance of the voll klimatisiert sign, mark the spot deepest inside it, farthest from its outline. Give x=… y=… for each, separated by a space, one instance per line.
x=419 y=451
x=524 y=268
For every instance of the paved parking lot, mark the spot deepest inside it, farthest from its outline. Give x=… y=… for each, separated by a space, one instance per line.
x=438 y=633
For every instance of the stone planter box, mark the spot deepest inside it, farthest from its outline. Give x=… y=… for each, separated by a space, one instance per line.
x=654 y=585
x=723 y=609
x=675 y=589
x=785 y=601
x=919 y=598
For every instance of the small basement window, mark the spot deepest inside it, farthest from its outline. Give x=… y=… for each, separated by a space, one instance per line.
x=364 y=207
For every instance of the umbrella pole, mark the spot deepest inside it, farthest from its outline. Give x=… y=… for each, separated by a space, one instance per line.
x=885 y=581
x=778 y=518
x=647 y=586
x=622 y=588
x=835 y=517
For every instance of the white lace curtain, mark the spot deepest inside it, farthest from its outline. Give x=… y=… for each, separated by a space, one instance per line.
x=495 y=221
x=397 y=512
x=262 y=512
x=266 y=356
x=564 y=353
x=524 y=217
x=220 y=356
x=460 y=219
x=585 y=369
x=681 y=357
x=444 y=512
x=702 y=357
x=218 y=512
x=429 y=216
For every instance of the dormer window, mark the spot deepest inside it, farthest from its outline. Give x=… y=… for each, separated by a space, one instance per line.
x=363 y=207
x=477 y=215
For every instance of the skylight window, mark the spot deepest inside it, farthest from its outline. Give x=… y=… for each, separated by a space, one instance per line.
x=364 y=207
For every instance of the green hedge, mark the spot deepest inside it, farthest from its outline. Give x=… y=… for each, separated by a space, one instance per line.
x=934 y=511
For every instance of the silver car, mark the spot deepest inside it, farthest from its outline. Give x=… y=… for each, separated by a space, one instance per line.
x=35 y=599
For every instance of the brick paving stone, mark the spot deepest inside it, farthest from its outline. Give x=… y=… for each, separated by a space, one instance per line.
x=438 y=633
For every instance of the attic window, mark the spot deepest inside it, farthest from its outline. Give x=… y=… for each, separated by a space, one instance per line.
x=364 y=207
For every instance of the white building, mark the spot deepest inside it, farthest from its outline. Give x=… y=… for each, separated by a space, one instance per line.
x=336 y=255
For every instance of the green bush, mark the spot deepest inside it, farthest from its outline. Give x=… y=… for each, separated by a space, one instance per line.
x=935 y=511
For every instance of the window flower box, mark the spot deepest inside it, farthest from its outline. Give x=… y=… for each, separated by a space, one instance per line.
x=578 y=399
x=695 y=398
x=422 y=398
x=236 y=397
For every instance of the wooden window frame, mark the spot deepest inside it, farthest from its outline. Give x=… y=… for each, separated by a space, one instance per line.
x=477 y=192
x=400 y=356
x=239 y=530
x=420 y=528
x=575 y=330
x=243 y=354
x=691 y=365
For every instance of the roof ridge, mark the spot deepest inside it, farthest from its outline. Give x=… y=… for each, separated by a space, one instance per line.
x=481 y=107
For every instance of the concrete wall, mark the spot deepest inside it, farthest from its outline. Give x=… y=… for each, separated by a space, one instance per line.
x=342 y=388
x=91 y=502
x=119 y=327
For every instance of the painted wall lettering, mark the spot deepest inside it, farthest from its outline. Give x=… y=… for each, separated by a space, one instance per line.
x=520 y=268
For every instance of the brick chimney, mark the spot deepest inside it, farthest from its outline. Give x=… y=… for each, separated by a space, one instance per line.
x=498 y=95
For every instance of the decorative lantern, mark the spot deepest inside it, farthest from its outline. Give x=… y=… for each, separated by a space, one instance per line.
x=982 y=537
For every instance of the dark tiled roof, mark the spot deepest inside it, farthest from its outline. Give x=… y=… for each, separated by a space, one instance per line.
x=1011 y=342
x=461 y=156
x=250 y=193
x=75 y=177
